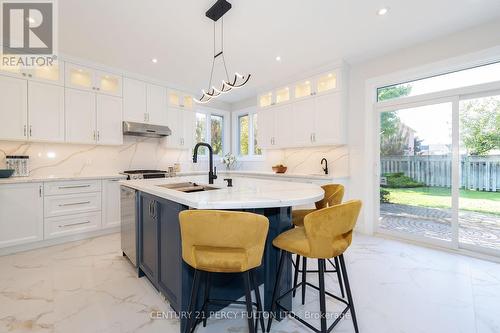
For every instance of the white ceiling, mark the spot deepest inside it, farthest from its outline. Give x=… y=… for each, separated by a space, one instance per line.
x=127 y=34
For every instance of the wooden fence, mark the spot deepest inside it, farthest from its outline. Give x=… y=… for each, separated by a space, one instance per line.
x=476 y=173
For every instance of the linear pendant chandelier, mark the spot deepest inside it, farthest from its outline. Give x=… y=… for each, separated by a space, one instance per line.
x=216 y=12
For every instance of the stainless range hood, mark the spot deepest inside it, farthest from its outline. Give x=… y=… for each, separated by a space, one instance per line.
x=149 y=130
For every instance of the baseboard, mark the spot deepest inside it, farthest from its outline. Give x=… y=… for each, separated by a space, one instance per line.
x=57 y=241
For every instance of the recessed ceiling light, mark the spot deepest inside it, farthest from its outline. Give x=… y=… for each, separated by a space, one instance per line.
x=154 y=60
x=278 y=58
x=382 y=11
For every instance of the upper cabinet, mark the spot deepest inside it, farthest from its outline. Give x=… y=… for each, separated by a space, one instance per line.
x=144 y=102
x=312 y=114
x=85 y=78
x=50 y=74
x=179 y=99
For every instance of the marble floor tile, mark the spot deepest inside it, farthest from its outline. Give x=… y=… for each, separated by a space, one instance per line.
x=87 y=286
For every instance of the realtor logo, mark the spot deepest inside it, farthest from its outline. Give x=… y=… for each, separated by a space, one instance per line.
x=28 y=32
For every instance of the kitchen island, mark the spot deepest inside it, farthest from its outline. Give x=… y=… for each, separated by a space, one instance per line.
x=158 y=203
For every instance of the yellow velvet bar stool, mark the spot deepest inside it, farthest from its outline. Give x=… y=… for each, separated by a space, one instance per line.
x=216 y=241
x=333 y=196
x=326 y=234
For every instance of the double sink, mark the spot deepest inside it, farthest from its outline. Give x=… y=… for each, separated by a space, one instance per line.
x=188 y=187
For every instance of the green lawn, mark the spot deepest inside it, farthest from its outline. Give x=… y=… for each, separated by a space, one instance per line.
x=440 y=197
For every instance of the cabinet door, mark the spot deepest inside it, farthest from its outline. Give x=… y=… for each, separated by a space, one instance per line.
x=46 y=112
x=303 y=122
x=107 y=83
x=329 y=120
x=80 y=116
x=109 y=120
x=49 y=74
x=188 y=125
x=174 y=122
x=284 y=119
x=13 y=108
x=21 y=213
x=266 y=124
x=148 y=237
x=157 y=104
x=134 y=101
x=111 y=214
x=170 y=256
x=79 y=77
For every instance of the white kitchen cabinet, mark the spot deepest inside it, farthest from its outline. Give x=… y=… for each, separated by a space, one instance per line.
x=21 y=213
x=266 y=122
x=111 y=203
x=68 y=204
x=13 y=108
x=303 y=122
x=53 y=74
x=134 y=101
x=46 y=112
x=86 y=78
x=182 y=124
x=93 y=118
x=109 y=120
x=60 y=226
x=329 y=119
x=284 y=120
x=156 y=104
x=80 y=116
x=178 y=99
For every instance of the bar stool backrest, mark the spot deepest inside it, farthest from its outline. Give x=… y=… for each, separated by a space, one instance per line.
x=329 y=230
x=333 y=196
x=224 y=231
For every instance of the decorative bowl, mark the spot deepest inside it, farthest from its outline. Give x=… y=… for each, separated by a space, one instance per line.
x=279 y=169
x=6 y=173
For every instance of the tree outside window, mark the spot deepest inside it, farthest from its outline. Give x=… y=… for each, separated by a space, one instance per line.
x=216 y=134
x=201 y=131
x=243 y=134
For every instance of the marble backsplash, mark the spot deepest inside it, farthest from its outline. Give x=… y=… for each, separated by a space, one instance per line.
x=148 y=153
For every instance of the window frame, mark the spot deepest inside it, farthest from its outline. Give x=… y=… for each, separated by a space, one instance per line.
x=235 y=115
x=226 y=130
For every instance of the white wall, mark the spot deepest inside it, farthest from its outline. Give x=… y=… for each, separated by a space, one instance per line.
x=361 y=116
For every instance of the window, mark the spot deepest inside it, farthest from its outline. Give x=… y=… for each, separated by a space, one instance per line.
x=245 y=131
x=243 y=137
x=210 y=128
x=216 y=134
x=459 y=79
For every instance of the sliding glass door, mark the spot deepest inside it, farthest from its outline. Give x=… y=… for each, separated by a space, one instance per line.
x=439 y=168
x=479 y=198
x=416 y=172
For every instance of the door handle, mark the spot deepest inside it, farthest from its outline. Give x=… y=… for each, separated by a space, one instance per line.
x=72 y=224
x=74 y=204
x=98 y=135
x=24 y=130
x=73 y=186
x=31 y=130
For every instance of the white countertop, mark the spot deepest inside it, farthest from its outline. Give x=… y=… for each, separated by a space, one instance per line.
x=266 y=174
x=245 y=193
x=54 y=178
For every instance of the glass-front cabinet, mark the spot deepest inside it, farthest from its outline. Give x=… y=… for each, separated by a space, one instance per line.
x=180 y=99
x=52 y=74
x=326 y=82
x=266 y=99
x=303 y=89
x=85 y=78
x=282 y=95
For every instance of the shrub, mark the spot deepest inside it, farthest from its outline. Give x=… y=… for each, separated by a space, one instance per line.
x=384 y=196
x=399 y=180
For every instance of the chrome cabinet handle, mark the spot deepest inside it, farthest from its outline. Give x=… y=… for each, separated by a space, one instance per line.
x=30 y=75
x=24 y=74
x=40 y=191
x=72 y=224
x=73 y=186
x=75 y=204
x=98 y=135
x=24 y=131
x=31 y=130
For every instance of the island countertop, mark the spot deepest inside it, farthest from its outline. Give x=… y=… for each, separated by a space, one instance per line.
x=245 y=193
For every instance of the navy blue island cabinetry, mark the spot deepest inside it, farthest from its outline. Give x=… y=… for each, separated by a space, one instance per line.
x=160 y=257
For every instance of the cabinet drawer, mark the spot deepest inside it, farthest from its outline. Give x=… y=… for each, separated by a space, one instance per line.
x=58 y=205
x=71 y=224
x=70 y=187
